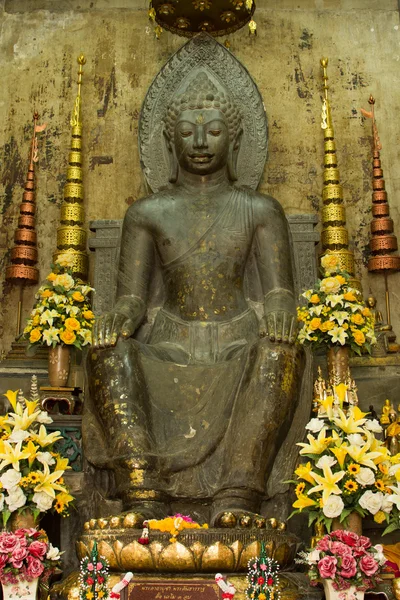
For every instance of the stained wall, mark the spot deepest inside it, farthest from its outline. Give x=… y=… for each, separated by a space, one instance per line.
x=39 y=43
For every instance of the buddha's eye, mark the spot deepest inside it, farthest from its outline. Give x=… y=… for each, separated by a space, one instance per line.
x=186 y=133
x=215 y=132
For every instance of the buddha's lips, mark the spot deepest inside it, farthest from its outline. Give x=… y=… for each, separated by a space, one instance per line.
x=201 y=157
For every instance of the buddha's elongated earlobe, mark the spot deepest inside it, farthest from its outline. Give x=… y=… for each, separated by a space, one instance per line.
x=173 y=162
x=233 y=156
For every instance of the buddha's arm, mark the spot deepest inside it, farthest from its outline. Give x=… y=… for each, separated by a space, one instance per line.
x=274 y=260
x=135 y=267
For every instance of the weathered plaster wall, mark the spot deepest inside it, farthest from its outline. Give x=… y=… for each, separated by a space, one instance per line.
x=40 y=40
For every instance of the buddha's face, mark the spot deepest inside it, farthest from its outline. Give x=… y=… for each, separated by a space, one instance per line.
x=201 y=141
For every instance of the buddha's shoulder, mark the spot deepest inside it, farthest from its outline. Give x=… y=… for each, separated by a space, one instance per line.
x=144 y=208
x=262 y=203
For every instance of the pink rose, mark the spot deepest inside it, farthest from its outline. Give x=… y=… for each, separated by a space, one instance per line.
x=327 y=567
x=338 y=534
x=38 y=549
x=323 y=544
x=348 y=567
x=18 y=556
x=8 y=542
x=3 y=560
x=99 y=566
x=364 y=542
x=350 y=538
x=90 y=567
x=35 y=567
x=339 y=548
x=368 y=565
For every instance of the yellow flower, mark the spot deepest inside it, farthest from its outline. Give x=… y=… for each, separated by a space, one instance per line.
x=47 y=482
x=303 y=472
x=303 y=502
x=78 y=297
x=340 y=454
x=300 y=488
x=32 y=449
x=379 y=517
x=100 y=594
x=87 y=314
x=349 y=296
x=358 y=336
x=35 y=335
x=34 y=477
x=384 y=469
x=327 y=325
x=11 y=455
x=329 y=262
x=340 y=390
x=12 y=398
x=68 y=337
x=353 y=469
x=89 y=595
x=316 y=445
x=72 y=324
x=46 y=293
x=351 y=486
x=357 y=319
x=352 y=422
x=51 y=277
x=314 y=323
x=36 y=320
x=45 y=439
x=64 y=280
x=59 y=506
x=61 y=463
x=380 y=485
x=327 y=483
x=315 y=299
x=330 y=285
x=340 y=279
x=366 y=312
x=262 y=596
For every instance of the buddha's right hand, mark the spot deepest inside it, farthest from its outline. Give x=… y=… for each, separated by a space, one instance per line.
x=110 y=327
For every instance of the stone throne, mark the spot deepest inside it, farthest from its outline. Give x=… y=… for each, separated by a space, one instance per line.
x=199 y=55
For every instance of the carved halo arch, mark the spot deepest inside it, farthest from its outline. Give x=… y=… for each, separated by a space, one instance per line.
x=203 y=52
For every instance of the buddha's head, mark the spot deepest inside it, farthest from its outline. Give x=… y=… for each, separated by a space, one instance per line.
x=203 y=130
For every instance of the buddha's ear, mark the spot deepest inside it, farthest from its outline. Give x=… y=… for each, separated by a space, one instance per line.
x=173 y=162
x=233 y=155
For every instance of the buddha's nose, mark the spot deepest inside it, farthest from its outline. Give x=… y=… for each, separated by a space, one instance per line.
x=200 y=137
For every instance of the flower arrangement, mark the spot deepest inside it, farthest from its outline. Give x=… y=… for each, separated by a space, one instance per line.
x=93 y=576
x=174 y=525
x=31 y=472
x=62 y=313
x=25 y=555
x=262 y=577
x=349 y=470
x=334 y=315
x=346 y=559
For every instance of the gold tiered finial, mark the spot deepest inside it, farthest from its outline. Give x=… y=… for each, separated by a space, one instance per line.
x=70 y=234
x=334 y=237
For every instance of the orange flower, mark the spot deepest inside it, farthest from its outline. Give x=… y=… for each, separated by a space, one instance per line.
x=68 y=337
x=349 y=296
x=359 y=337
x=35 y=335
x=327 y=325
x=315 y=323
x=72 y=324
x=51 y=277
x=366 y=312
x=78 y=297
x=88 y=315
x=357 y=319
x=340 y=279
x=46 y=293
x=314 y=299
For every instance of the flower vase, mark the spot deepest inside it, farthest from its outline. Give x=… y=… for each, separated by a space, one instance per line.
x=59 y=364
x=353 y=523
x=23 y=520
x=22 y=590
x=338 y=363
x=350 y=594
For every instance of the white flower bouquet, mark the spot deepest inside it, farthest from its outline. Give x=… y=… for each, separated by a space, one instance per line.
x=334 y=314
x=31 y=472
x=62 y=314
x=349 y=470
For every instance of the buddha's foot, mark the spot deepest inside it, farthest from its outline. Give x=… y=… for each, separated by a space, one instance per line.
x=244 y=519
x=132 y=519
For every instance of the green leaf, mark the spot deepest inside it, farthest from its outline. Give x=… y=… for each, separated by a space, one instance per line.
x=345 y=514
x=390 y=528
x=313 y=515
x=295 y=512
x=5 y=513
x=328 y=524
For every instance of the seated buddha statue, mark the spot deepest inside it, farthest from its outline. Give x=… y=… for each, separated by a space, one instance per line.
x=196 y=410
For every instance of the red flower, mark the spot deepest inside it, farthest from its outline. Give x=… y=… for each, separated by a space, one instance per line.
x=38 y=549
x=100 y=579
x=35 y=567
x=90 y=581
x=270 y=581
x=260 y=580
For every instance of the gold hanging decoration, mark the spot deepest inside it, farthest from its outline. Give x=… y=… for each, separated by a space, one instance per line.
x=334 y=236
x=71 y=235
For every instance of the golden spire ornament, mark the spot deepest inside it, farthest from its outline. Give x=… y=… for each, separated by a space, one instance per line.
x=334 y=236
x=22 y=270
x=71 y=234
x=383 y=242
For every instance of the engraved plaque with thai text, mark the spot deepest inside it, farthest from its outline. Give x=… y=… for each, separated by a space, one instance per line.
x=168 y=589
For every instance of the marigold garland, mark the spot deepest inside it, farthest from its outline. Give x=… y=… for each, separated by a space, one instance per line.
x=174 y=525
